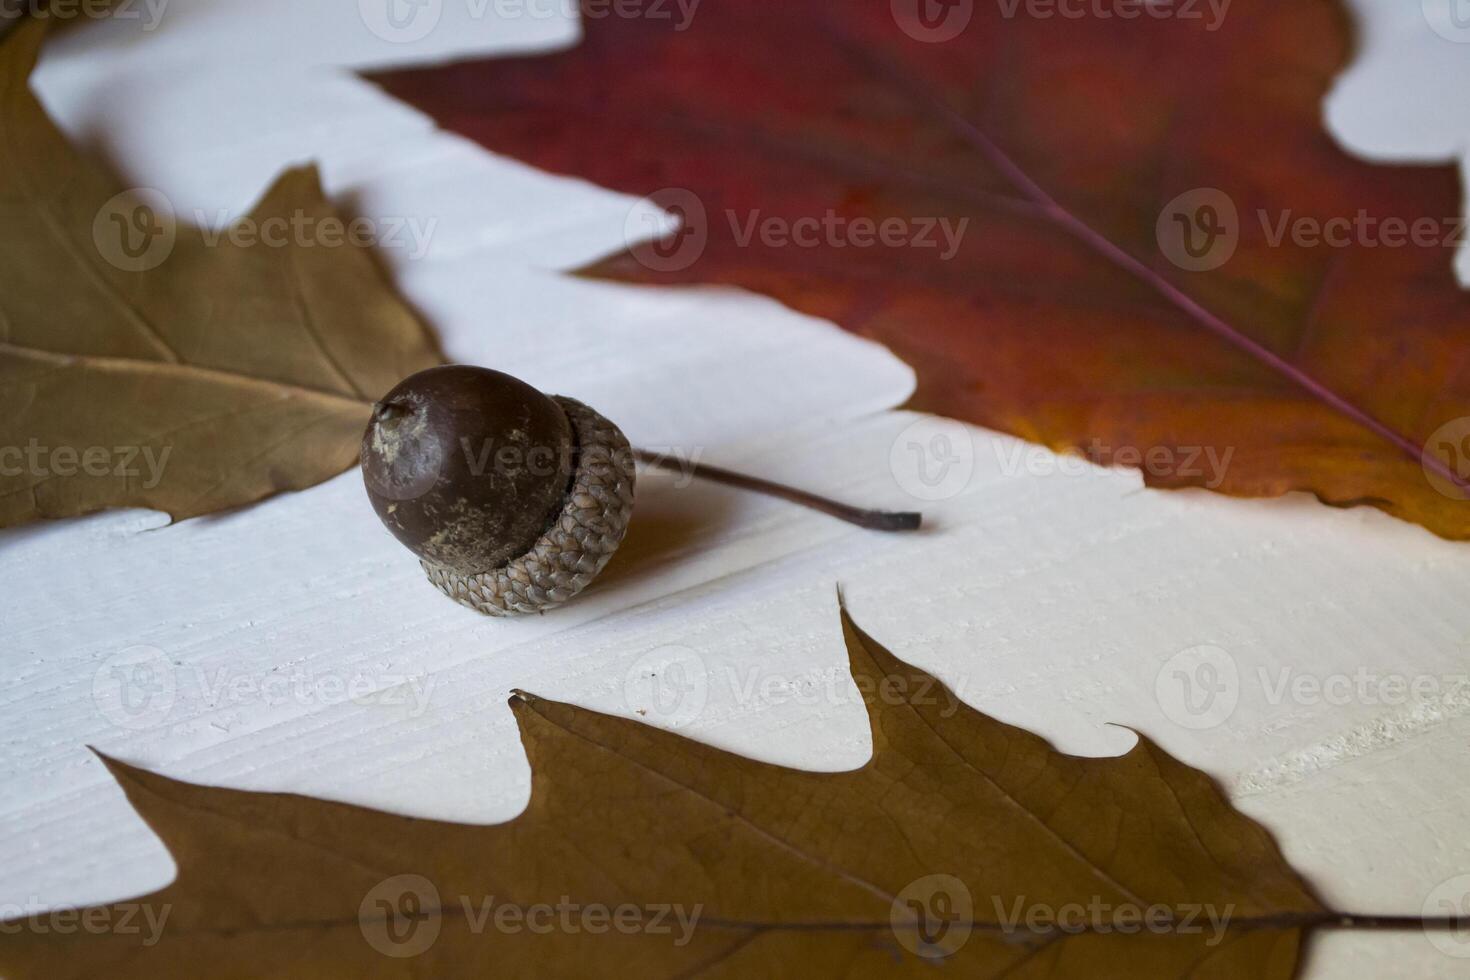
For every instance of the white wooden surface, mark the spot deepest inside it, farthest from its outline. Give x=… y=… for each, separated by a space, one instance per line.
x=1051 y=599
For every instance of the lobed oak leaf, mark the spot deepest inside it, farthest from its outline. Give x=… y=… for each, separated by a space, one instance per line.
x=145 y=362
x=1124 y=236
x=965 y=844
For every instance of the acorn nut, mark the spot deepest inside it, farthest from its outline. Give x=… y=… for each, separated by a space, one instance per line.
x=513 y=500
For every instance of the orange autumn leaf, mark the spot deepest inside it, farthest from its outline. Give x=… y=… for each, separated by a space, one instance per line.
x=1129 y=237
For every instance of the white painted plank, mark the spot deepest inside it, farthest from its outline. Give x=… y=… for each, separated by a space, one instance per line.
x=1058 y=597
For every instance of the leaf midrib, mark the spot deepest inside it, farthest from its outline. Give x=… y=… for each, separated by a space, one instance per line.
x=216 y=376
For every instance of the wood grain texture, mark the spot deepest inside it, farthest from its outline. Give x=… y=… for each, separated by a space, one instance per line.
x=1051 y=599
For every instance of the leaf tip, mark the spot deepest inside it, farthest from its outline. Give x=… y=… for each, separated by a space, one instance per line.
x=123 y=773
x=521 y=699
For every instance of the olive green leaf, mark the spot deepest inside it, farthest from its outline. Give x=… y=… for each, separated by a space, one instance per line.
x=145 y=362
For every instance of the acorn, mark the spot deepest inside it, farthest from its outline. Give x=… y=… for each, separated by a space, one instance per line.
x=513 y=500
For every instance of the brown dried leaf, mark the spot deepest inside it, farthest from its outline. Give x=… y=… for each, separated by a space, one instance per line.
x=958 y=824
x=189 y=379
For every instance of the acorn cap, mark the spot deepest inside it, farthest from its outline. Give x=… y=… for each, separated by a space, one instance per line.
x=512 y=499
